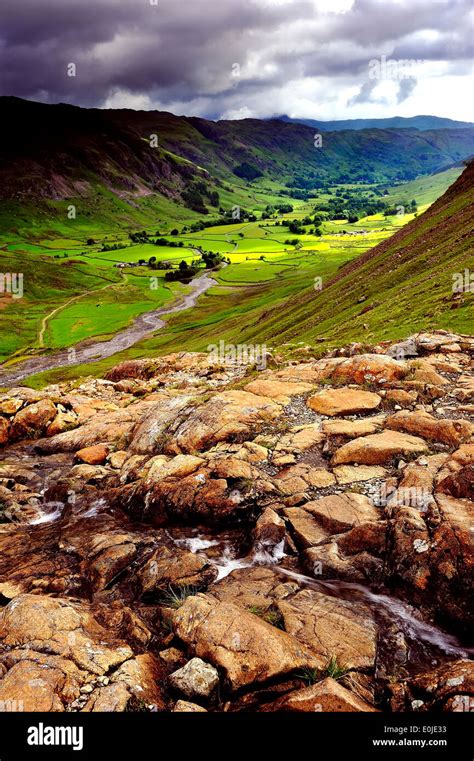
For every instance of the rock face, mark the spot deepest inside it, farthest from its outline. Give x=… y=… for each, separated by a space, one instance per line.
x=187 y=538
x=450 y=432
x=57 y=651
x=248 y=649
x=338 y=629
x=328 y=696
x=32 y=420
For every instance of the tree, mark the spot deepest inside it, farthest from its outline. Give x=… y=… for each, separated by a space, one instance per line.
x=183 y=266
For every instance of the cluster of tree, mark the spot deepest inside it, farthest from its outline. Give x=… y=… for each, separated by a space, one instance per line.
x=228 y=218
x=212 y=259
x=165 y=242
x=184 y=272
x=350 y=206
x=154 y=265
x=140 y=237
x=113 y=246
x=407 y=207
x=278 y=208
x=311 y=182
x=247 y=171
x=298 y=226
x=197 y=193
x=298 y=195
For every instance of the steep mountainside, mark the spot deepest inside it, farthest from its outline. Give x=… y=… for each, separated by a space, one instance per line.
x=406 y=281
x=62 y=152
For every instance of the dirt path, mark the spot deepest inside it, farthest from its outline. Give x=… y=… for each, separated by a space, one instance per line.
x=44 y=321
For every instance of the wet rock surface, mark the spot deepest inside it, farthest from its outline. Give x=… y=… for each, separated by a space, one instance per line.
x=183 y=537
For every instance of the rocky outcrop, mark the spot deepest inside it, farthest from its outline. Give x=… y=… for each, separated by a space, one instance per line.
x=248 y=649
x=183 y=537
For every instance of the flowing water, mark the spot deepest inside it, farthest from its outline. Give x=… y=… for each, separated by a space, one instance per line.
x=86 y=352
x=427 y=643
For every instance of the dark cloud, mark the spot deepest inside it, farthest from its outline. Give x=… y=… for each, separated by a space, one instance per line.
x=179 y=54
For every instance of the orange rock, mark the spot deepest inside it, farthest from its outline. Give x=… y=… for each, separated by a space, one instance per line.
x=344 y=401
x=4 y=429
x=95 y=455
x=31 y=421
x=327 y=695
x=451 y=432
x=278 y=390
x=380 y=448
x=246 y=648
x=377 y=368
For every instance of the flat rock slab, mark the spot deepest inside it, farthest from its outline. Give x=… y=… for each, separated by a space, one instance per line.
x=327 y=695
x=341 y=512
x=450 y=432
x=331 y=627
x=306 y=530
x=344 y=401
x=380 y=448
x=347 y=474
x=280 y=391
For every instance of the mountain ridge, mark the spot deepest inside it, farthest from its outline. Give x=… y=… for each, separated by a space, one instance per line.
x=419 y=122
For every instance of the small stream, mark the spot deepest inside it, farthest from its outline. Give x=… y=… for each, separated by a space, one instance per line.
x=427 y=643
x=86 y=351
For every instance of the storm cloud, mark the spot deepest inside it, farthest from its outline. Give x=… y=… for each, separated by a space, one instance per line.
x=238 y=58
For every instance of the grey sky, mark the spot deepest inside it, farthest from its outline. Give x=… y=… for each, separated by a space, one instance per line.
x=236 y=58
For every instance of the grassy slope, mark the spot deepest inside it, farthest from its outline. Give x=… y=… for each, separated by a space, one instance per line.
x=405 y=281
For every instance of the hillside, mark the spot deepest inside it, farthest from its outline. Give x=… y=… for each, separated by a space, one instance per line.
x=402 y=284
x=104 y=161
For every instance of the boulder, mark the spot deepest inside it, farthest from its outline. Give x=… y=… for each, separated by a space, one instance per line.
x=31 y=421
x=344 y=401
x=269 y=529
x=228 y=416
x=327 y=695
x=196 y=679
x=95 y=455
x=173 y=567
x=183 y=706
x=364 y=368
x=280 y=391
x=450 y=432
x=350 y=429
x=306 y=530
x=247 y=649
x=341 y=512
x=331 y=627
x=4 y=431
x=380 y=448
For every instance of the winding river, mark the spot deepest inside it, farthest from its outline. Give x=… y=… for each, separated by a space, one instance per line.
x=86 y=351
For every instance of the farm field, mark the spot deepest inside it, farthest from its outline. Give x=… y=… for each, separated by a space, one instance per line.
x=79 y=290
